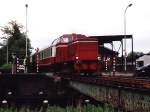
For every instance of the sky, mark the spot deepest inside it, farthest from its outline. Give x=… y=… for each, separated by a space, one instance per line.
x=49 y=19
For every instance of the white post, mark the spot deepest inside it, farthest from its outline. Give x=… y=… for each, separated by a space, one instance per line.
x=37 y=60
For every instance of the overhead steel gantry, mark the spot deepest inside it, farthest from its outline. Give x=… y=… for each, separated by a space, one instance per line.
x=110 y=39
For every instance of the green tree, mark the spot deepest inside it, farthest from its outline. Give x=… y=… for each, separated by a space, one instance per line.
x=135 y=55
x=16 y=41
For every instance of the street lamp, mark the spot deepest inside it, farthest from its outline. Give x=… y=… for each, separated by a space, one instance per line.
x=26 y=5
x=125 y=57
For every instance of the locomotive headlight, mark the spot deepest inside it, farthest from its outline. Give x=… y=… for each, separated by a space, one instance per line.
x=9 y=93
x=4 y=101
x=41 y=93
x=45 y=101
x=77 y=57
x=99 y=58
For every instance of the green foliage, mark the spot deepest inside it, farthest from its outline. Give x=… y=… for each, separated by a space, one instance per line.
x=108 y=108
x=86 y=108
x=16 y=41
x=93 y=108
x=135 y=55
x=8 y=110
x=6 y=66
x=55 y=109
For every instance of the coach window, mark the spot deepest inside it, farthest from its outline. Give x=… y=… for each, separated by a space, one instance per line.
x=48 y=52
x=40 y=55
x=51 y=51
x=45 y=54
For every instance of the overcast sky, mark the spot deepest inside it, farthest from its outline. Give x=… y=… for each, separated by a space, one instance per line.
x=49 y=19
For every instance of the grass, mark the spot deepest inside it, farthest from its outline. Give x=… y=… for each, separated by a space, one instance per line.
x=85 y=108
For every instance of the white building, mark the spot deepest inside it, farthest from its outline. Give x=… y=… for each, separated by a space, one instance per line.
x=142 y=61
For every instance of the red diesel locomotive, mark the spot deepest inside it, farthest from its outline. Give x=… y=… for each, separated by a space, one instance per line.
x=70 y=53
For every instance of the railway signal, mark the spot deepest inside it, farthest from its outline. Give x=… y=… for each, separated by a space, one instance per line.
x=37 y=60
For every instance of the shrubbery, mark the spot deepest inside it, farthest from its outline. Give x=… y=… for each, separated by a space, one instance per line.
x=86 y=108
x=6 y=68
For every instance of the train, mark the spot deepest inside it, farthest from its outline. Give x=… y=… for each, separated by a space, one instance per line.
x=71 y=54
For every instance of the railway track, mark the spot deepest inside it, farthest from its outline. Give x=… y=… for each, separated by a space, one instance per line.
x=48 y=87
x=29 y=88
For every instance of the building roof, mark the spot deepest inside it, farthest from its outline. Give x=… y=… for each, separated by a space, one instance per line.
x=144 y=58
x=111 y=38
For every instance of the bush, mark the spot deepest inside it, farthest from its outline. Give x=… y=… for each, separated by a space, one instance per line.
x=6 y=68
x=85 y=108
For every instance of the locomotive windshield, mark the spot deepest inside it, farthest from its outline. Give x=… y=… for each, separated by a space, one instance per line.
x=67 y=38
x=70 y=37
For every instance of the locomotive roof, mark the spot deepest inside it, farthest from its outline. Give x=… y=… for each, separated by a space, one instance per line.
x=111 y=38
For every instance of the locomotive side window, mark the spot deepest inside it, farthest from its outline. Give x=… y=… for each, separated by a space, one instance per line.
x=70 y=39
x=53 y=51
